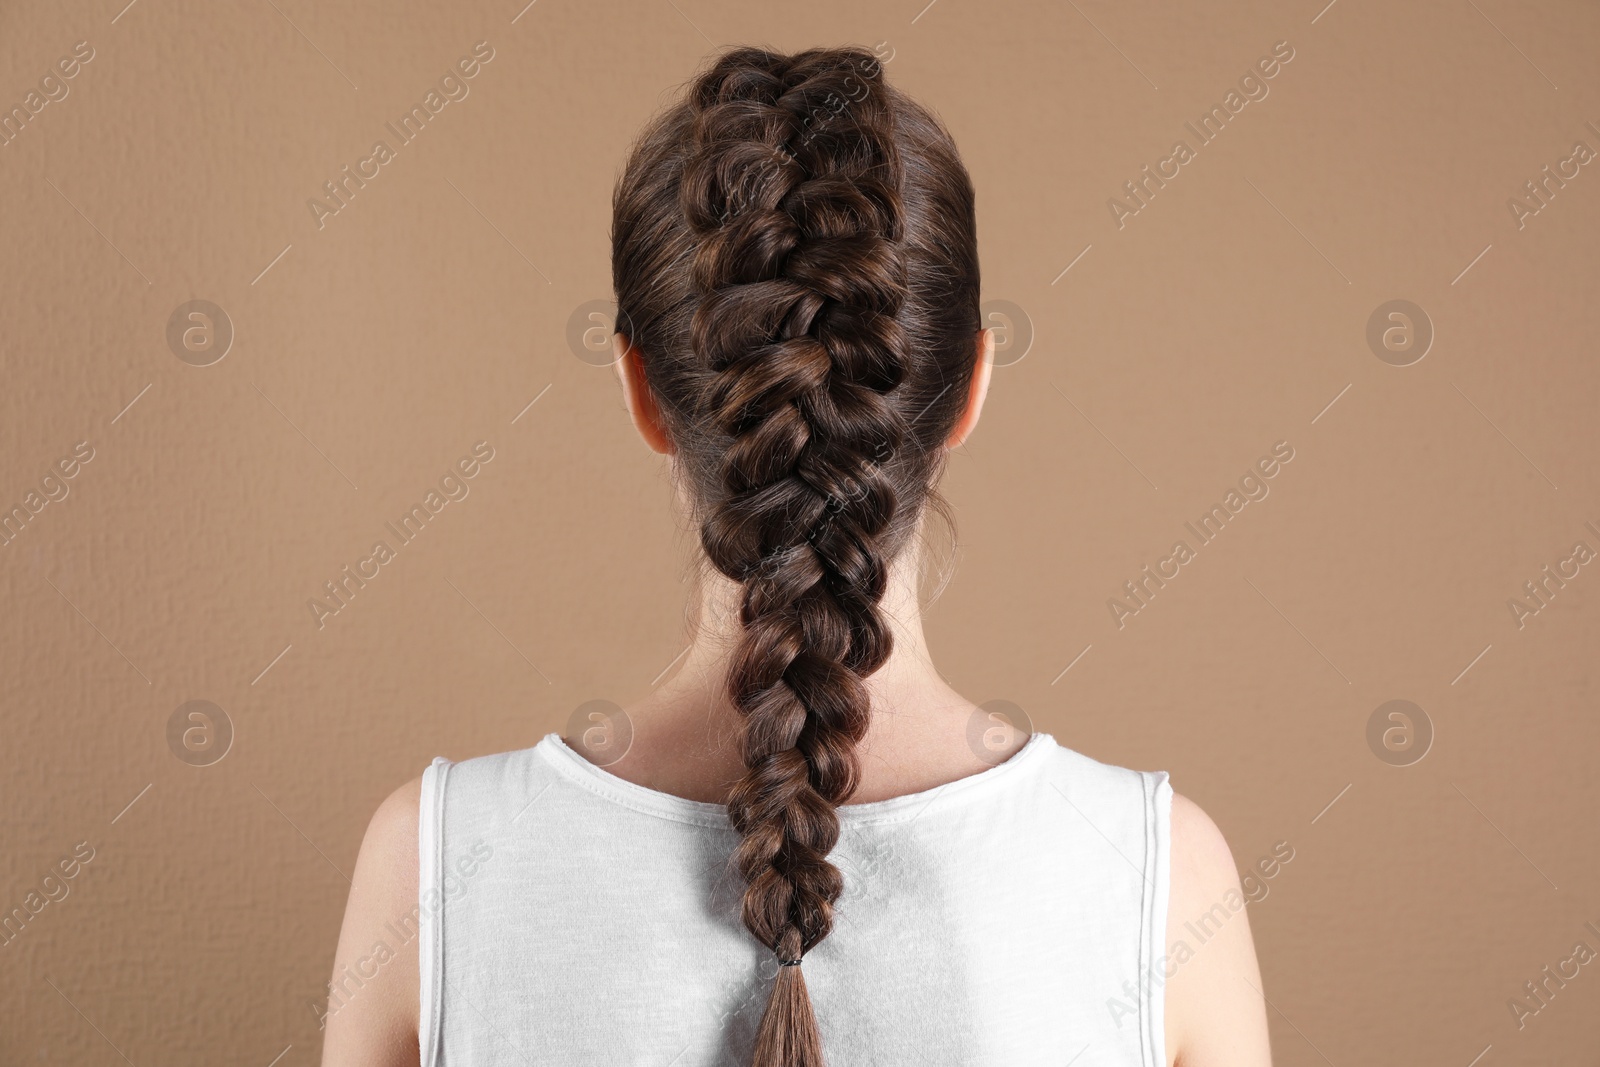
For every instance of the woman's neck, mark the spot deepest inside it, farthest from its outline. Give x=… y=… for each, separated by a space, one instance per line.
x=687 y=734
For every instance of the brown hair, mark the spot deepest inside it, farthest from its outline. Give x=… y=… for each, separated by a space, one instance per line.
x=795 y=258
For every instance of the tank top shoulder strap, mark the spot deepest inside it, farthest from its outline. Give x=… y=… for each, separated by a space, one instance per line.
x=1158 y=889
x=430 y=931
x=1132 y=812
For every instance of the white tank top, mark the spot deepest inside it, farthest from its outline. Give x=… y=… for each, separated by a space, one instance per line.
x=1015 y=917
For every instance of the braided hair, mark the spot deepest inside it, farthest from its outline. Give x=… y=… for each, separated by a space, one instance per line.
x=794 y=249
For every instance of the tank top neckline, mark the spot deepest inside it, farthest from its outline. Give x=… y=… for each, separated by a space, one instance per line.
x=649 y=801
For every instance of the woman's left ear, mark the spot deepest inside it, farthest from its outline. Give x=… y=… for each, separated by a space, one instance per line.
x=636 y=394
x=977 y=392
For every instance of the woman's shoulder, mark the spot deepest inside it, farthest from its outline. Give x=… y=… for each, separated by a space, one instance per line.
x=393 y=826
x=386 y=865
x=367 y=1019
x=386 y=913
x=1195 y=872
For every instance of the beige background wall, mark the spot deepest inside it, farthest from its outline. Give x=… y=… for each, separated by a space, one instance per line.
x=372 y=352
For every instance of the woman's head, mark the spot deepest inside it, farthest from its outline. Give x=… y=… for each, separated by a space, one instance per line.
x=795 y=260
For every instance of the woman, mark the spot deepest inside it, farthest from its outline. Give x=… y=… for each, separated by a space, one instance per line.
x=801 y=859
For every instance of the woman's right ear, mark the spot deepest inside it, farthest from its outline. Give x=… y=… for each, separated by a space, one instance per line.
x=637 y=396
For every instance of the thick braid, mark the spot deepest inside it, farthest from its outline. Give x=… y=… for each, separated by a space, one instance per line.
x=793 y=187
x=794 y=249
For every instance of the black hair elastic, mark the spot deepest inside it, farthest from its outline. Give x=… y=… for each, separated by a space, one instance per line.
x=789 y=963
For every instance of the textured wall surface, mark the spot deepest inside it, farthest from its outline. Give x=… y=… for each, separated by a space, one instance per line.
x=189 y=475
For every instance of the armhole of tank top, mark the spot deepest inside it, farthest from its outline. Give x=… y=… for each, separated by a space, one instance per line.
x=1153 y=922
x=430 y=921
